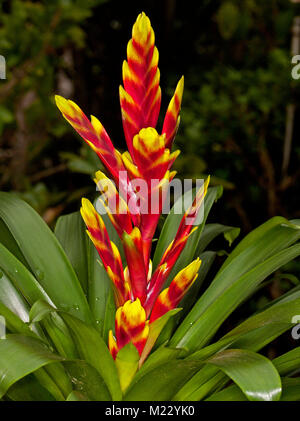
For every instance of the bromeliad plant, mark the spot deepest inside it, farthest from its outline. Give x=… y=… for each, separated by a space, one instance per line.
x=137 y=291
x=82 y=329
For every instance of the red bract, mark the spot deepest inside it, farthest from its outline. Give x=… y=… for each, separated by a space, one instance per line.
x=137 y=291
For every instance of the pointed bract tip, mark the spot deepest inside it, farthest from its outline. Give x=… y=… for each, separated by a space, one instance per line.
x=60 y=101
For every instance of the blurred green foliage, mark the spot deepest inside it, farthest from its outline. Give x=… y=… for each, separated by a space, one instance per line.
x=234 y=109
x=34 y=35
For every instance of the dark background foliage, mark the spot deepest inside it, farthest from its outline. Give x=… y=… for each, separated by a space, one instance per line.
x=236 y=58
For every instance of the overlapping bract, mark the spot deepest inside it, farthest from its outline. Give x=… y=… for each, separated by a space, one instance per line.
x=137 y=291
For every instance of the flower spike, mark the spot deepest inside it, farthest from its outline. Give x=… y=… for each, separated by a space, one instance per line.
x=172 y=118
x=134 y=200
x=141 y=97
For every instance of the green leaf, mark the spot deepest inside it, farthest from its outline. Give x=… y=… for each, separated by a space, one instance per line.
x=253 y=373
x=206 y=380
x=21 y=277
x=70 y=231
x=20 y=356
x=226 y=292
x=8 y=241
x=41 y=311
x=29 y=389
x=99 y=290
x=211 y=231
x=77 y=396
x=162 y=382
x=87 y=381
x=44 y=255
x=94 y=351
x=13 y=301
x=253 y=334
x=290 y=389
x=276 y=225
x=14 y=323
x=231 y=393
x=127 y=362
x=288 y=363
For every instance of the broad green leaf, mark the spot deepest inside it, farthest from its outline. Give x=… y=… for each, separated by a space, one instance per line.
x=288 y=363
x=253 y=334
x=285 y=364
x=94 y=351
x=57 y=330
x=99 y=289
x=204 y=319
x=8 y=241
x=253 y=373
x=256 y=331
x=54 y=378
x=127 y=363
x=162 y=382
x=258 y=234
x=40 y=310
x=20 y=356
x=211 y=231
x=21 y=277
x=277 y=238
x=77 y=396
x=70 y=231
x=231 y=393
x=44 y=255
x=14 y=301
x=87 y=381
x=14 y=323
x=48 y=383
x=290 y=389
x=10 y=297
x=206 y=380
x=29 y=389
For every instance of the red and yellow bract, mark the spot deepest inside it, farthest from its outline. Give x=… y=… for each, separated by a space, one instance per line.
x=137 y=290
